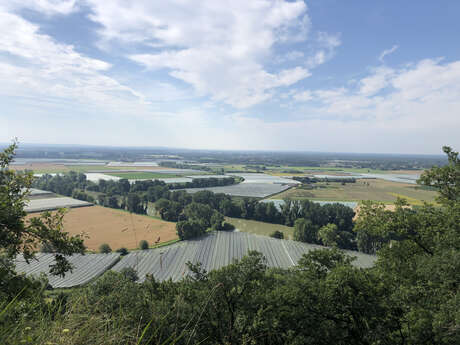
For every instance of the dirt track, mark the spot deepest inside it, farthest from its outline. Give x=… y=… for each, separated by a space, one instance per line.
x=116 y=227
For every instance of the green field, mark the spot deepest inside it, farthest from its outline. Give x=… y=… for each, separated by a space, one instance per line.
x=142 y=175
x=300 y=170
x=260 y=228
x=376 y=190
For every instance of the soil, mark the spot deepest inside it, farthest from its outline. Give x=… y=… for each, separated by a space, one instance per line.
x=117 y=228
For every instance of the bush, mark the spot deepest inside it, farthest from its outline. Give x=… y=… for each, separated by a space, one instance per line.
x=105 y=248
x=130 y=274
x=47 y=247
x=277 y=234
x=228 y=227
x=123 y=251
x=143 y=245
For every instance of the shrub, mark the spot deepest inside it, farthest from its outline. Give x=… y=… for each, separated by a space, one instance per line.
x=130 y=274
x=143 y=245
x=123 y=251
x=228 y=227
x=105 y=248
x=277 y=234
x=47 y=247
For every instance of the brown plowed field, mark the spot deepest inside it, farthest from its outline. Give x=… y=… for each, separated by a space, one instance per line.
x=116 y=227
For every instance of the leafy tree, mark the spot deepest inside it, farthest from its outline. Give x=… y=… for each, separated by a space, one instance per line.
x=445 y=179
x=419 y=259
x=143 y=245
x=200 y=212
x=217 y=221
x=305 y=231
x=105 y=248
x=134 y=203
x=188 y=229
x=18 y=236
x=112 y=202
x=329 y=235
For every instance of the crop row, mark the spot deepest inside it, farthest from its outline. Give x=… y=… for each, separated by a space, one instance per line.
x=219 y=249
x=85 y=268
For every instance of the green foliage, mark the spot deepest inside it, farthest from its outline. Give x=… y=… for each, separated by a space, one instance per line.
x=123 y=251
x=188 y=229
x=277 y=234
x=445 y=179
x=329 y=235
x=143 y=245
x=305 y=231
x=105 y=248
x=17 y=235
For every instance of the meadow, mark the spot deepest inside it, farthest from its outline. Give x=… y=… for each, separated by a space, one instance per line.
x=260 y=228
x=365 y=189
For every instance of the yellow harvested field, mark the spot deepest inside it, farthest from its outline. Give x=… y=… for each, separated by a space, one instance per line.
x=116 y=227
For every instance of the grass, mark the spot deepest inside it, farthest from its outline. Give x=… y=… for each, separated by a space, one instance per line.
x=376 y=190
x=163 y=244
x=260 y=228
x=142 y=175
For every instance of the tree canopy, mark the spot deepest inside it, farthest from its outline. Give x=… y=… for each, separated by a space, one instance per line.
x=18 y=236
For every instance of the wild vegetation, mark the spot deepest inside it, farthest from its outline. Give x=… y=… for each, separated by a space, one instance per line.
x=411 y=295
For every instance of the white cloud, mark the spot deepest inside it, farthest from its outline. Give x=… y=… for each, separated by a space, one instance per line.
x=218 y=47
x=303 y=96
x=424 y=95
x=387 y=52
x=49 y=7
x=34 y=65
x=328 y=44
x=376 y=81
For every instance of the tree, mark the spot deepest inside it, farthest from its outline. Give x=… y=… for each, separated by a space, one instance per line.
x=105 y=248
x=134 y=204
x=329 y=235
x=445 y=179
x=305 y=231
x=188 y=229
x=18 y=236
x=217 y=220
x=143 y=245
x=419 y=258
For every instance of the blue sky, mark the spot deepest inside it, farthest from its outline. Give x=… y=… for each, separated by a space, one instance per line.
x=320 y=75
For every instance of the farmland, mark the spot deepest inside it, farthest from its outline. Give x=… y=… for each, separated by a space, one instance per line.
x=85 y=268
x=257 y=190
x=142 y=175
x=53 y=203
x=116 y=227
x=218 y=249
x=213 y=251
x=369 y=189
x=260 y=228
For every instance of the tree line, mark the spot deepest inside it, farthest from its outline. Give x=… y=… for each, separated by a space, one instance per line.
x=307 y=217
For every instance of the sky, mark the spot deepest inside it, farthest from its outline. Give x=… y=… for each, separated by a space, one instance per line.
x=319 y=75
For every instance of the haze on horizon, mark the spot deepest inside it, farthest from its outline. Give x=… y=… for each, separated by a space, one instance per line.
x=319 y=76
